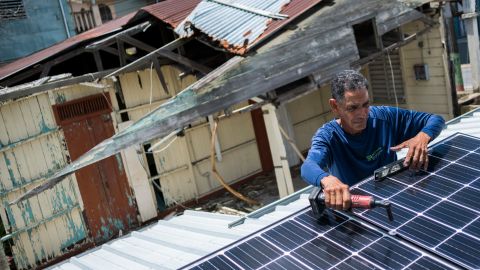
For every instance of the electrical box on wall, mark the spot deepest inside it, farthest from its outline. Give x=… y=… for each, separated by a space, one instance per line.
x=421 y=72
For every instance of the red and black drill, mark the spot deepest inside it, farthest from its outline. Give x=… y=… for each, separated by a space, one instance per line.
x=317 y=202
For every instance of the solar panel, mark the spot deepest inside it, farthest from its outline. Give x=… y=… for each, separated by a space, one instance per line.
x=436 y=224
x=336 y=241
x=438 y=209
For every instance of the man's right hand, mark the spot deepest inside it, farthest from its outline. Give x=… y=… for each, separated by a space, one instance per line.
x=337 y=194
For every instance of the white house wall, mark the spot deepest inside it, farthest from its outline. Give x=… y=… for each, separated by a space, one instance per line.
x=33 y=148
x=308 y=113
x=184 y=167
x=433 y=95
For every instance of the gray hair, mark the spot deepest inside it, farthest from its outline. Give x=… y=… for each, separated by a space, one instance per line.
x=347 y=80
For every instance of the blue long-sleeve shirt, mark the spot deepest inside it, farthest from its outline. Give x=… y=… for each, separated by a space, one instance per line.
x=352 y=158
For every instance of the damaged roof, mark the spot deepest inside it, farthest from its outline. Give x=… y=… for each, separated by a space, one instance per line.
x=174 y=12
x=253 y=20
x=171 y=12
x=174 y=243
x=322 y=43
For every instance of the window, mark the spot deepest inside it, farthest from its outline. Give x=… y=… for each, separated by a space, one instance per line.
x=12 y=10
x=384 y=88
x=105 y=13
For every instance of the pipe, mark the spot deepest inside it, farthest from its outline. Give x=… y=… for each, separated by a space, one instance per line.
x=64 y=18
x=218 y=151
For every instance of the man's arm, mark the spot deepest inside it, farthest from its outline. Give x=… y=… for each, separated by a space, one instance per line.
x=337 y=194
x=430 y=126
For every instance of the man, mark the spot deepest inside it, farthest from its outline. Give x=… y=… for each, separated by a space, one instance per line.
x=362 y=139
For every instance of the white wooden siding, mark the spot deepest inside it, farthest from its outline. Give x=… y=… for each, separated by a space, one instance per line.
x=33 y=148
x=434 y=94
x=184 y=167
x=309 y=113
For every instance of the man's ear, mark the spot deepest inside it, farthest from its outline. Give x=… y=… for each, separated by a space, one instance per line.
x=333 y=105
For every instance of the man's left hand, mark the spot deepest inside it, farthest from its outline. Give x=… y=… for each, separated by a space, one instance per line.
x=417 y=155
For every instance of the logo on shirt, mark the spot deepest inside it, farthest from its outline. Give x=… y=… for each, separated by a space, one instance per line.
x=375 y=154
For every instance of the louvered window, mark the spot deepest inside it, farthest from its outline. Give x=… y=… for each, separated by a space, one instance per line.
x=381 y=83
x=12 y=10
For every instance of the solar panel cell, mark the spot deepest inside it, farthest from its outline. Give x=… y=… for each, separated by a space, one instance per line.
x=463 y=248
x=415 y=199
x=285 y=262
x=425 y=231
x=400 y=215
x=438 y=185
x=473 y=228
x=427 y=263
x=448 y=152
x=352 y=235
x=254 y=253
x=465 y=142
x=471 y=160
x=468 y=197
x=355 y=263
x=458 y=173
x=320 y=254
x=384 y=189
x=218 y=262
x=451 y=214
x=327 y=222
x=397 y=256
x=289 y=235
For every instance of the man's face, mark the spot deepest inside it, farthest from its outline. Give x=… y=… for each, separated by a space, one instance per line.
x=352 y=110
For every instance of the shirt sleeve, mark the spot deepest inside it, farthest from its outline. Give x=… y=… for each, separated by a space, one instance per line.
x=318 y=158
x=409 y=123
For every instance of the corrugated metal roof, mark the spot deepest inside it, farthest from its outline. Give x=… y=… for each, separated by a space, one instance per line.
x=170 y=11
x=173 y=243
x=468 y=123
x=238 y=29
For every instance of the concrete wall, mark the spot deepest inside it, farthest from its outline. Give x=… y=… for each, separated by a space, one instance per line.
x=42 y=28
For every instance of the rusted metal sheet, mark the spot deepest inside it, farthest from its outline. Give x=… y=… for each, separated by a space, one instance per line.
x=109 y=206
x=169 y=11
x=214 y=19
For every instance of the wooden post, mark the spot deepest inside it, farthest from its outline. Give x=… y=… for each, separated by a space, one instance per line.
x=279 y=154
x=471 y=27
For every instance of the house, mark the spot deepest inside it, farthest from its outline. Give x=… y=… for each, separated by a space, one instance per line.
x=162 y=76
x=89 y=14
x=29 y=26
x=183 y=239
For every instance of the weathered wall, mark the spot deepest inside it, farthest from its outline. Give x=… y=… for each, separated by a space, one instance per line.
x=184 y=167
x=308 y=113
x=22 y=37
x=32 y=149
x=311 y=111
x=434 y=94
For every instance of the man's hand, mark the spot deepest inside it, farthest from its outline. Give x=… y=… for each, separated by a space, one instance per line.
x=337 y=194
x=417 y=155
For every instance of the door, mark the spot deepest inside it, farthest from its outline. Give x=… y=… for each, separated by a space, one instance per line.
x=109 y=206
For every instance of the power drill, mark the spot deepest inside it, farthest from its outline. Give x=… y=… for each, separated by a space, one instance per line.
x=317 y=202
